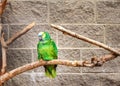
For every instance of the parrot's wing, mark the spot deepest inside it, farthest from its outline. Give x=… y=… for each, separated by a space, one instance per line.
x=54 y=50
x=38 y=51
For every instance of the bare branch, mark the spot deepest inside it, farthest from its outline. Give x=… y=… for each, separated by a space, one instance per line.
x=0 y=41
x=4 y=64
x=4 y=46
x=73 y=34
x=20 y=33
x=2 y=6
x=94 y=62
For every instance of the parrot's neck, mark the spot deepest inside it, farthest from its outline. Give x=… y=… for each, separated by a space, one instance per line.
x=45 y=41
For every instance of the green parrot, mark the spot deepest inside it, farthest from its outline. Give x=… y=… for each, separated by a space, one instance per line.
x=47 y=50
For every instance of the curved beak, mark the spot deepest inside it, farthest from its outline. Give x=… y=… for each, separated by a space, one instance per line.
x=40 y=38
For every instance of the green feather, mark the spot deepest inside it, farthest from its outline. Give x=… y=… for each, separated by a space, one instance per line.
x=47 y=50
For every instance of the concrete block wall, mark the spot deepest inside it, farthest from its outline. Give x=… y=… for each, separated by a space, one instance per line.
x=96 y=19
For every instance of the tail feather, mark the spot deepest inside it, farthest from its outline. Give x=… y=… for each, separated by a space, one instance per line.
x=50 y=71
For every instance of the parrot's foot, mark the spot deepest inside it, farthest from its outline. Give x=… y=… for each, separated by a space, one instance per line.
x=40 y=60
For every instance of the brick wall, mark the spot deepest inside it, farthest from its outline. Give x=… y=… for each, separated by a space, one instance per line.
x=96 y=19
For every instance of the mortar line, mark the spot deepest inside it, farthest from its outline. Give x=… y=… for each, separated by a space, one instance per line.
x=32 y=55
x=57 y=38
x=82 y=48
x=60 y=48
x=81 y=60
x=8 y=31
x=60 y=24
x=48 y=12
x=32 y=74
x=104 y=35
x=26 y=23
x=83 y=24
x=20 y=48
x=95 y=12
x=37 y=73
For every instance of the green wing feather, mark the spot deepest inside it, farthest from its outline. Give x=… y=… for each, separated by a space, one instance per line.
x=38 y=50
x=54 y=50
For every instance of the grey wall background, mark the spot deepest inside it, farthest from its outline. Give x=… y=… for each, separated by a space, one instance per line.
x=96 y=19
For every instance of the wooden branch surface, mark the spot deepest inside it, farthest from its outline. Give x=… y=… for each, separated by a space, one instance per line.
x=73 y=34
x=2 y=6
x=20 y=33
x=0 y=41
x=94 y=62
x=4 y=50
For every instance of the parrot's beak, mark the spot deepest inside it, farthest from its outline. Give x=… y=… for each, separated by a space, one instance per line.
x=40 y=38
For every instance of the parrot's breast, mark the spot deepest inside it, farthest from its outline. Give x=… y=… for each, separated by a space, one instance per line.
x=46 y=51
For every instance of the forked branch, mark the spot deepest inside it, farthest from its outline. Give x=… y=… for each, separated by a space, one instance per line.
x=9 y=41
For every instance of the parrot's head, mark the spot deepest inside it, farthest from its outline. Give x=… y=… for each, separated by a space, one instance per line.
x=44 y=36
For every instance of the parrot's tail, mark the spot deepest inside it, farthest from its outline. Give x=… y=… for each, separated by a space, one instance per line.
x=50 y=71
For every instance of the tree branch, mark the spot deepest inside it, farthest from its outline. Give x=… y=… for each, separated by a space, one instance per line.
x=94 y=62
x=4 y=64
x=4 y=46
x=20 y=33
x=73 y=34
x=2 y=6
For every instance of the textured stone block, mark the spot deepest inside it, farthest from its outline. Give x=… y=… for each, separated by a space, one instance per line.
x=5 y=30
x=21 y=80
x=8 y=83
x=108 y=12
x=113 y=35
x=68 y=80
x=71 y=11
x=76 y=80
x=112 y=66
x=16 y=58
x=42 y=80
x=90 y=31
x=25 y=12
x=30 y=39
x=87 y=54
x=69 y=54
x=110 y=79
